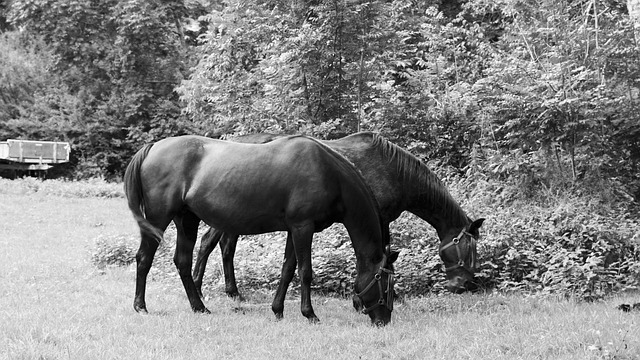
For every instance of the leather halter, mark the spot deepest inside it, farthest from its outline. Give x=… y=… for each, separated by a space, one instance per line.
x=382 y=301
x=472 y=253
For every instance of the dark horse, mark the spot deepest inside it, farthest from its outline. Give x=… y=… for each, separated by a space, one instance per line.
x=399 y=182
x=295 y=184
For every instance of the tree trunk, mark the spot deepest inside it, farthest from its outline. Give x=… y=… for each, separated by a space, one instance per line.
x=360 y=88
x=634 y=13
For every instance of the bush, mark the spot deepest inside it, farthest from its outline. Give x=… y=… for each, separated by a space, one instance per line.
x=583 y=246
x=119 y=250
x=566 y=249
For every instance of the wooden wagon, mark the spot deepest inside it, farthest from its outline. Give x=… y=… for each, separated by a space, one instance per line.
x=32 y=157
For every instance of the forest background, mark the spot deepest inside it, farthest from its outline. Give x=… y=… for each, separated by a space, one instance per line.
x=533 y=105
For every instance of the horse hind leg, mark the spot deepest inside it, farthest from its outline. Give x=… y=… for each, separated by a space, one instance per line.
x=288 y=272
x=209 y=241
x=187 y=229
x=302 y=237
x=228 y=248
x=227 y=243
x=144 y=259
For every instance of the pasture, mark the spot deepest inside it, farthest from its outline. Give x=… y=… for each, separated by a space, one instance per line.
x=55 y=304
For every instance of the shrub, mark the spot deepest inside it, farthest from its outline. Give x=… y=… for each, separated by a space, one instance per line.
x=119 y=250
x=568 y=250
x=570 y=245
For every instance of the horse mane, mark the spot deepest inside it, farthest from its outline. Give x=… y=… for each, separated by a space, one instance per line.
x=409 y=169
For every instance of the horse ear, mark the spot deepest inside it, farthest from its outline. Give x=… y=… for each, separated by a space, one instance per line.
x=393 y=256
x=476 y=224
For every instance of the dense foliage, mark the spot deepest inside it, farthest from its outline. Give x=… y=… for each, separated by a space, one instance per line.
x=585 y=258
x=542 y=91
x=105 y=73
x=568 y=246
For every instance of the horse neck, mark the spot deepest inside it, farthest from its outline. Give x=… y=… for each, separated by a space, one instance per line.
x=416 y=188
x=428 y=198
x=362 y=221
x=444 y=225
x=367 y=248
x=362 y=214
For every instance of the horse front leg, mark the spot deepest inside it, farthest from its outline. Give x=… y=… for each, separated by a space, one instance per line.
x=144 y=259
x=288 y=271
x=187 y=229
x=302 y=237
x=207 y=244
x=228 y=248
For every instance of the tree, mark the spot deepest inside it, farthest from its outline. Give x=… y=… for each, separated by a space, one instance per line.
x=329 y=68
x=633 y=6
x=33 y=102
x=559 y=91
x=121 y=61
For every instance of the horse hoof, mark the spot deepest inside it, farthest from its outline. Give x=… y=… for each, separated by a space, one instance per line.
x=202 y=310
x=624 y=307
x=279 y=316
x=314 y=320
x=141 y=309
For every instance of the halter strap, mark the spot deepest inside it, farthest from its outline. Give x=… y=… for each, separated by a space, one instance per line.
x=456 y=242
x=388 y=302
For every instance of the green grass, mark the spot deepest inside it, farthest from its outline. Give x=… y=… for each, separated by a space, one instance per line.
x=55 y=304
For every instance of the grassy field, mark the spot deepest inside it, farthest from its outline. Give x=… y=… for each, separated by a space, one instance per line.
x=54 y=304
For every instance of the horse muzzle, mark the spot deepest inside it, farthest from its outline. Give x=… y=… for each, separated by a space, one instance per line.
x=380 y=322
x=458 y=285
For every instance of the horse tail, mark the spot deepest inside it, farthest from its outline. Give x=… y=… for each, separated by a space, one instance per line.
x=135 y=197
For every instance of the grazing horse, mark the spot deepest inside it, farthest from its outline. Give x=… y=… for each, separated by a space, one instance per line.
x=399 y=182
x=294 y=183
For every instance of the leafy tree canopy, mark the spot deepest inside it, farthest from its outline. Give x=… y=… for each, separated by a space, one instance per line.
x=539 y=92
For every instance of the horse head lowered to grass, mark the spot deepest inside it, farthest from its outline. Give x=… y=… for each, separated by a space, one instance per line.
x=294 y=183
x=399 y=181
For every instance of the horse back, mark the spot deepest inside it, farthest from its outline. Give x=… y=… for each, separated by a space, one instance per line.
x=230 y=185
x=379 y=172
